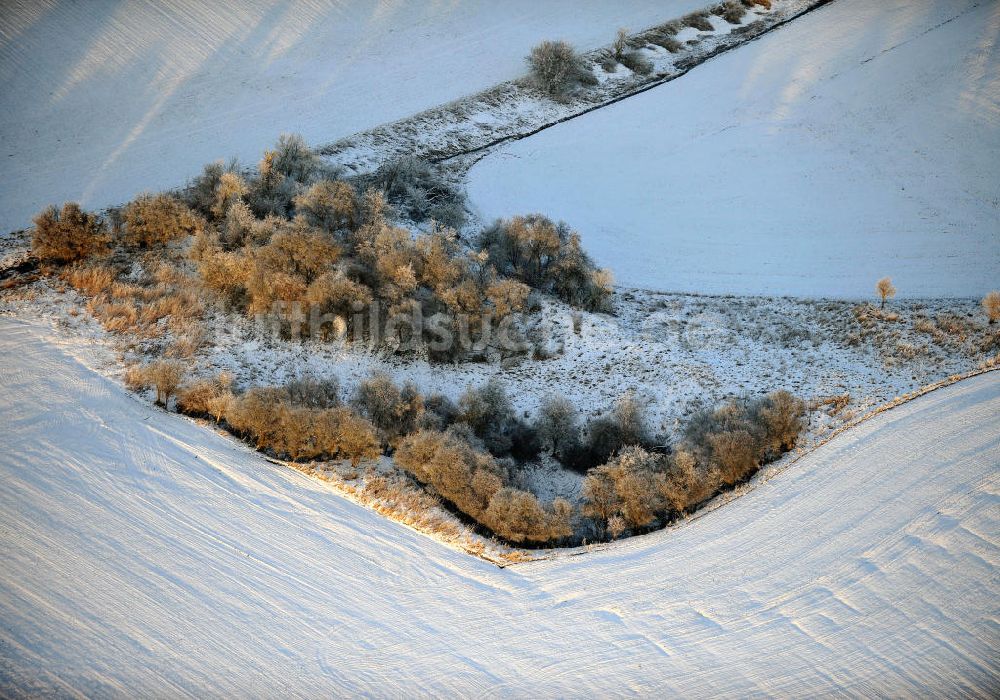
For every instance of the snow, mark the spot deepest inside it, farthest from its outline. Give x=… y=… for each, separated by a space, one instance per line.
x=859 y=141
x=146 y=555
x=102 y=100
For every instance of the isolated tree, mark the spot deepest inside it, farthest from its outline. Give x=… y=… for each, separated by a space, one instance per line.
x=885 y=289
x=991 y=304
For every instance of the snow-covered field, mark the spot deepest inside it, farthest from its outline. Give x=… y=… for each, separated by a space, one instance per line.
x=859 y=141
x=104 y=99
x=143 y=554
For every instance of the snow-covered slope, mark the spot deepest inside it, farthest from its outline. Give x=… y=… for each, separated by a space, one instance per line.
x=143 y=554
x=102 y=99
x=859 y=141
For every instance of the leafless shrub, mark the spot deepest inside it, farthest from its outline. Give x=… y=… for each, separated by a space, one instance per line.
x=154 y=220
x=488 y=411
x=737 y=437
x=781 y=415
x=507 y=296
x=517 y=516
x=439 y=412
x=163 y=375
x=557 y=69
x=330 y=205
x=283 y=269
x=557 y=424
x=547 y=256
x=686 y=484
x=206 y=193
x=342 y=433
x=314 y=393
x=698 y=20
x=732 y=11
x=282 y=174
x=464 y=476
x=197 y=398
x=637 y=63
x=991 y=305
x=254 y=414
x=620 y=44
x=421 y=191
x=616 y=526
x=68 y=235
x=394 y=411
x=293 y=159
x=735 y=453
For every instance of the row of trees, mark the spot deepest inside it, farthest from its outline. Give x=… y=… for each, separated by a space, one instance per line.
x=466 y=452
x=720 y=448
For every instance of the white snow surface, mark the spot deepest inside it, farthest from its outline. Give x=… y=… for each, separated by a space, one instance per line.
x=104 y=99
x=144 y=554
x=859 y=141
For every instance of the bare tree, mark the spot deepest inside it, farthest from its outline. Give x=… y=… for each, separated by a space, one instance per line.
x=885 y=289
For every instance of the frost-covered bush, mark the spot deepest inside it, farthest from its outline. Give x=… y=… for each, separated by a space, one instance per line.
x=393 y=410
x=268 y=417
x=68 y=235
x=163 y=375
x=475 y=483
x=738 y=437
x=557 y=424
x=459 y=473
x=253 y=414
x=421 y=191
x=507 y=296
x=630 y=486
x=626 y=425
x=732 y=11
x=698 y=20
x=546 y=256
x=517 y=516
x=282 y=270
x=330 y=205
x=637 y=63
x=152 y=220
x=991 y=305
x=488 y=411
x=210 y=193
x=439 y=412
x=293 y=159
x=204 y=396
x=314 y=393
x=781 y=416
x=334 y=292
x=556 y=68
x=284 y=173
